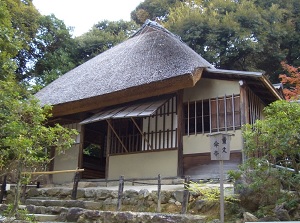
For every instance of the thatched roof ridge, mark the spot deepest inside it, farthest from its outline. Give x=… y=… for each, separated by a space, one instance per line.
x=152 y=55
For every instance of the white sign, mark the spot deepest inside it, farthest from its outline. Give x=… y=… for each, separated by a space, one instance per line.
x=220 y=146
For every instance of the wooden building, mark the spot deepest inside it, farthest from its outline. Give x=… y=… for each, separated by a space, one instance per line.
x=145 y=107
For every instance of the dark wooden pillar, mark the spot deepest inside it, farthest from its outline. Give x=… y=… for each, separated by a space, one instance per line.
x=244 y=103
x=108 y=141
x=180 y=129
x=81 y=145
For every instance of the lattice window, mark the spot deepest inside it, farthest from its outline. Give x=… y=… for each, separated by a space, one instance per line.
x=212 y=115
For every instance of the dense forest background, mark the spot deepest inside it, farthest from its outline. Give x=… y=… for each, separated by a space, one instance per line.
x=253 y=35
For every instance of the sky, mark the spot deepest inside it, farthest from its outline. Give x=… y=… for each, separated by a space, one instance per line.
x=83 y=14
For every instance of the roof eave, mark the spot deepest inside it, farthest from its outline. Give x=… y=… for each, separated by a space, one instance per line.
x=250 y=74
x=165 y=86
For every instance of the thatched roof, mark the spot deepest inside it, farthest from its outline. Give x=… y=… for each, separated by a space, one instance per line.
x=152 y=55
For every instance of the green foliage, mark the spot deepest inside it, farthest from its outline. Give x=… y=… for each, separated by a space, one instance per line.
x=24 y=136
x=208 y=193
x=152 y=9
x=103 y=36
x=240 y=35
x=272 y=141
x=24 y=19
x=54 y=51
x=22 y=214
x=25 y=139
x=9 y=45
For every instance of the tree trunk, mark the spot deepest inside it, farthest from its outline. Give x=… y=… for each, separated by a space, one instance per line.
x=17 y=189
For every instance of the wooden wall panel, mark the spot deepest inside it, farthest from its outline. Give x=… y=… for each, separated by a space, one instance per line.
x=200 y=166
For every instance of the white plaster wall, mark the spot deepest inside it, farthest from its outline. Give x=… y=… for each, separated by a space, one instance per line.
x=210 y=88
x=144 y=165
x=67 y=160
x=201 y=144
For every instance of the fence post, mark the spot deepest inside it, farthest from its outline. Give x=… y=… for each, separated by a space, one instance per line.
x=120 y=192
x=186 y=195
x=75 y=186
x=3 y=189
x=159 y=194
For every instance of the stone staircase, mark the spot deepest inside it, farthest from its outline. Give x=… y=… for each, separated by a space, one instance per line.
x=98 y=204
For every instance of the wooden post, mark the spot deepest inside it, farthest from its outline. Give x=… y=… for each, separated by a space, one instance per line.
x=120 y=192
x=244 y=103
x=180 y=117
x=159 y=194
x=186 y=195
x=3 y=189
x=108 y=145
x=221 y=191
x=75 y=185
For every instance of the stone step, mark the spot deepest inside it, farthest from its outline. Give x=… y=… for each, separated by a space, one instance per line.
x=44 y=217
x=92 y=205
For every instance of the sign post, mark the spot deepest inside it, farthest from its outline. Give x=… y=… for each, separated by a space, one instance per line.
x=220 y=150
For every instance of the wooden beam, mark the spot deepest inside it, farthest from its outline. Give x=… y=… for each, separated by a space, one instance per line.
x=131 y=94
x=112 y=128
x=53 y=172
x=143 y=135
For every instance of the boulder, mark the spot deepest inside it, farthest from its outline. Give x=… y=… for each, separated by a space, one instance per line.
x=249 y=217
x=282 y=214
x=73 y=214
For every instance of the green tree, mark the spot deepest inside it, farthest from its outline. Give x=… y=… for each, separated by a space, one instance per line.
x=54 y=51
x=24 y=18
x=152 y=9
x=101 y=37
x=9 y=45
x=24 y=136
x=274 y=141
x=241 y=35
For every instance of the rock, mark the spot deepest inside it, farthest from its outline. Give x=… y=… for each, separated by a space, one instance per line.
x=110 y=201
x=282 y=215
x=178 y=195
x=103 y=194
x=252 y=199
x=53 y=192
x=92 y=205
x=172 y=201
x=268 y=219
x=144 y=193
x=177 y=203
x=249 y=217
x=33 y=192
x=206 y=205
x=80 y=193
x=90 y=193
x=73 y=214
x=131 y=193
x=165 y=197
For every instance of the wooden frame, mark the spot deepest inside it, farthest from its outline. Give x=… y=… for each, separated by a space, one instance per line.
x=222 y=113
x=158 y=133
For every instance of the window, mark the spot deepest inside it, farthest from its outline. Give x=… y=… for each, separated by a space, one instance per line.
x=150 y=133
x=127 y=136
x=212 y=115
